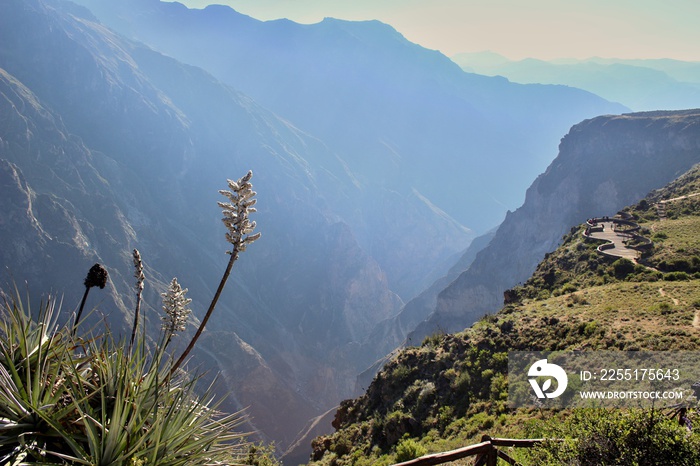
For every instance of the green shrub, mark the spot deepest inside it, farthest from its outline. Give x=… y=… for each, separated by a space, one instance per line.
x=445 y=417
x=623 y=438
x=588 y=328
x=623 y=267
x=676 y=276
x=261 y=455
x=568 y=288
x=409 y=449
x=401 y=372
x=463 y=382
x=434 y=340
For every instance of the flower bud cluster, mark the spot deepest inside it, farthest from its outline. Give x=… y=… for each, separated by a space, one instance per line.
x=138 y=270
x=97 y=276
x=236 y=211
x=175 y=307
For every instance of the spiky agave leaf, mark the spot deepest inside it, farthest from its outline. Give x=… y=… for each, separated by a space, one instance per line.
x=164 y=423
x=33 y=405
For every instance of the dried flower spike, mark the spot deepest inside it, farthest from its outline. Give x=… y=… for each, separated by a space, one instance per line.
x=175 y=307
x=140 y=279
x=239 y=233
x=237 y=210
x=138 y=270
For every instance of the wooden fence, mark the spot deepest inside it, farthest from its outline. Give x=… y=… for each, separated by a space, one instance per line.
x=486 y=452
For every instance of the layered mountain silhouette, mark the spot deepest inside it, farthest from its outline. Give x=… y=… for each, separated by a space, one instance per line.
x=397 y=112
x=642 y=85
x=373 y=172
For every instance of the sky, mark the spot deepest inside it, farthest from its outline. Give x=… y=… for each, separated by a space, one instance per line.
x=517 y=29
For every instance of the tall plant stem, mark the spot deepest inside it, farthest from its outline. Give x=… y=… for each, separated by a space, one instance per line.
x=136 y=320
x=80 y=310
x=140 y=278
x=212 y=305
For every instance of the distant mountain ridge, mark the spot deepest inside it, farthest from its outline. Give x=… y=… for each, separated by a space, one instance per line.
x=642 y=85
x=396 y=112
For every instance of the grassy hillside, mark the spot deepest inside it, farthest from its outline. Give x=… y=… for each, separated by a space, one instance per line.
x=452 y=389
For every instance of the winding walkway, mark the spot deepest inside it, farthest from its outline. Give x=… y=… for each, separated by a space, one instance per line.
x=604 y=229
x=618 y=247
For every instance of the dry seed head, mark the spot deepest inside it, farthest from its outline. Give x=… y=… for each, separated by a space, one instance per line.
x=236 y=212
x=138 y=270
x=175 y=307
x=97 y=276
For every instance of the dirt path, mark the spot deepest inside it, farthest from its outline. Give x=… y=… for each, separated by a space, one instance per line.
x=661 y=205
x=682 y=197
x=662 y=292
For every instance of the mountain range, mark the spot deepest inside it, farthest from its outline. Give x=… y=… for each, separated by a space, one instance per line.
x=396 y=112
x=376 y=163
x=642 y=85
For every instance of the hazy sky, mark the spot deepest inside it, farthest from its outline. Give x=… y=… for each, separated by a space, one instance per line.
x=514 y=28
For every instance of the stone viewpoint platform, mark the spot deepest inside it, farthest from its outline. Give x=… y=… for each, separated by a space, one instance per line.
x=620 y=236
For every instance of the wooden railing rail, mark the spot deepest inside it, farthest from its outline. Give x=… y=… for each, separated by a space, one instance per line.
x=486 y=452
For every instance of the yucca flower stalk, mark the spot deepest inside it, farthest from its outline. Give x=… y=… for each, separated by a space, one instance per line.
x=140 y=279
x=239 y=234
x=97 y=276
x=175 y=308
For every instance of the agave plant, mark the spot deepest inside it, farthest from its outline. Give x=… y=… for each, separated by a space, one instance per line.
x=67 y=400
x=129 y=414
x=34 y=408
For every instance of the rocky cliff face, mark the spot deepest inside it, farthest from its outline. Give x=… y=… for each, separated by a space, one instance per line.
x=57 y=208
x=603 y=165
